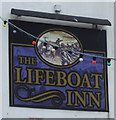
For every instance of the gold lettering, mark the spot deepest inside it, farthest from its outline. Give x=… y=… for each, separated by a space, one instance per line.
x=27 y=60
x=69 y=97
x=86 y=81
x=80 y=98
x=18 y=75
x=96 y=76
x=34 y=61
x=29 y=75
x=39 y=76
x=49 y=77
x=78 y=80
x=20 y=60
x=61 y=76
x=94 y=99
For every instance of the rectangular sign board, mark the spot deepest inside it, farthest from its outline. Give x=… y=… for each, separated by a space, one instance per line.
x=47 y=72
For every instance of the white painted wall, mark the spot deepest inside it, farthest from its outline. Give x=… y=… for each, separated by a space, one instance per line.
x=115 y=54
x=88 y=9
x=1 y=63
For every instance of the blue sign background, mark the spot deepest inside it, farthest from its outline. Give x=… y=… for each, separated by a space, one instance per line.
x=81 y=68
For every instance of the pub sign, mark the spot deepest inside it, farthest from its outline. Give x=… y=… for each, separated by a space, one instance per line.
x=43 y=75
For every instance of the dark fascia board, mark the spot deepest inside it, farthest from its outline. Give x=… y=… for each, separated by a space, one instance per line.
x=60 y=17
